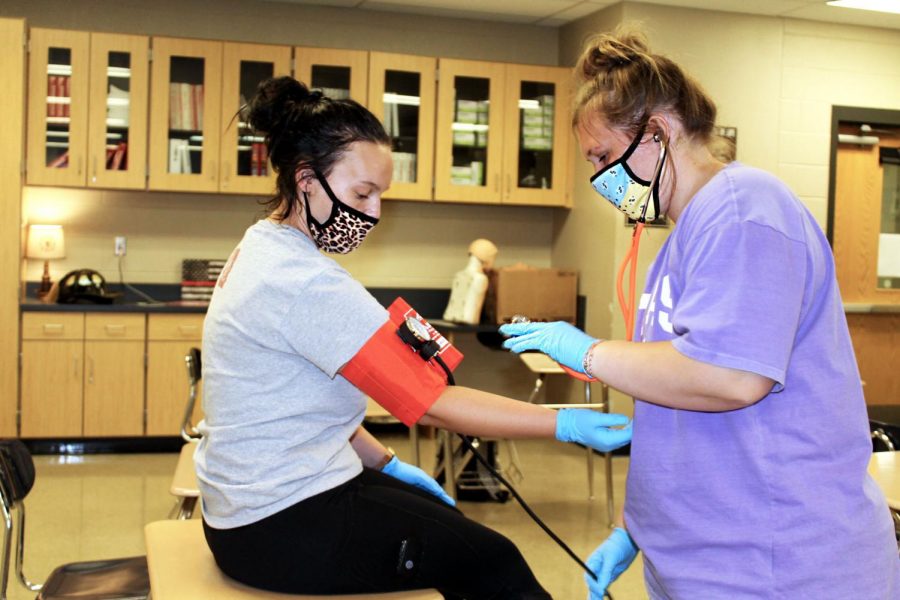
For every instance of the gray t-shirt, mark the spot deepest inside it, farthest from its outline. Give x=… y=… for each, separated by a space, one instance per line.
x=283 y=320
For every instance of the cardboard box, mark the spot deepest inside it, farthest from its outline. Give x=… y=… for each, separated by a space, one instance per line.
x=539 y=294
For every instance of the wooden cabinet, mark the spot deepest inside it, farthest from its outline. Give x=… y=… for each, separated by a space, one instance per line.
x=502 y=134
x=402 y=95
x=52 y=375
x=243 y=156
x=169 y=338
x=338 y=73
x=87 y=110
x=117 y=127
x=57 y=107
x=468 y=156
x=185 y=108
x=114 y=374
x=82 y=375
x=536 y=135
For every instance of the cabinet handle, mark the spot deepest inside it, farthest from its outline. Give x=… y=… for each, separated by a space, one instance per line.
x=225 y=172
x=212 y=169
x=80 y=164
x=115 y=329
x=186 y=329
x=75 y=367
x=508 y=185
x=91 y=370
x=53 y=328
x=497 y=183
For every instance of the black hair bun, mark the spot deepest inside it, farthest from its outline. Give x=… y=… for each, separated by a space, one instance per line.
x=275 y=101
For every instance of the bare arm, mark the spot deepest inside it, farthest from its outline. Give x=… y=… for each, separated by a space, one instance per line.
x=371 y=452
x=656 y=372
x=473 y=412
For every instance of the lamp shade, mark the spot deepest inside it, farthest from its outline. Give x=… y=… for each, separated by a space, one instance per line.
x=45 y=242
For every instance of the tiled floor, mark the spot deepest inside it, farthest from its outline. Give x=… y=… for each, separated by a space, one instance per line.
x=96 y=506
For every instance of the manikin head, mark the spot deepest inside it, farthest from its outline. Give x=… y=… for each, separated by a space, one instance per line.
x=485 y=251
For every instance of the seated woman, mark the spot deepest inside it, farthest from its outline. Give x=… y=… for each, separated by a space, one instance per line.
x=297 y=496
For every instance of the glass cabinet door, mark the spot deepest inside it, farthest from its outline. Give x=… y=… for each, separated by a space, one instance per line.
x=536 y=135
x=57 y=107
x=244 y=157
x=402 y=95
x=184 y=115
x=469 y=131
x=117 y=138
x=338 y=73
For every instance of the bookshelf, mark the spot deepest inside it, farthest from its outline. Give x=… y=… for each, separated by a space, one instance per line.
x=245 y=166
x=117 y=124
x=402 y=94
x=470 y=140
x=57 y=107
x=185 y=109
x=536 y=132
x=338 y=73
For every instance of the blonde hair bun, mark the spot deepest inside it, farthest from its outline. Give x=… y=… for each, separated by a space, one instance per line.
x=607 y=52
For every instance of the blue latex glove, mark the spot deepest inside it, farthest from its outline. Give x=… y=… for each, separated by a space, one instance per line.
x=560 y=341
x=592 y=428
x=416 y=477
x=609 y=561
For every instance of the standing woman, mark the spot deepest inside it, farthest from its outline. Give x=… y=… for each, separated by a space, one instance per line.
x=297 y=496
x=748 y=466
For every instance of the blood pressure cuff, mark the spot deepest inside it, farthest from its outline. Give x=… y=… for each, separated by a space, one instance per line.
x=394 y=375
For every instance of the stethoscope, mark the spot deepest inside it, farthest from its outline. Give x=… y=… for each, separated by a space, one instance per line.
x=415 y=334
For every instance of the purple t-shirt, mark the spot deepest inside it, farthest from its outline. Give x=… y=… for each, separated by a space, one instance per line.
x=773 y=500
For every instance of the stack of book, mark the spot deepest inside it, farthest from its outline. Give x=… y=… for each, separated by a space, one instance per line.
x=58 y=96
x=259 y=159
x=198 y=278
x=117 y=157
x=186 y=106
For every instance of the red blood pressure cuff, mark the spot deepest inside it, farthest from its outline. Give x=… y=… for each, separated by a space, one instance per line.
x=393 y=374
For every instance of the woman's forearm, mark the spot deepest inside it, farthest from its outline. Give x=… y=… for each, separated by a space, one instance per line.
x=474 y=412
x=656 y=372
x=371 y=452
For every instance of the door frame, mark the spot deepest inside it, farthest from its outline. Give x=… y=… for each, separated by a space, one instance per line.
x=853 y=115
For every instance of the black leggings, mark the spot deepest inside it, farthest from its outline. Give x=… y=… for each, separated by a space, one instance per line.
x=374 y=534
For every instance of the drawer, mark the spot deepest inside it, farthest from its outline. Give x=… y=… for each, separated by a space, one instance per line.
x=175 y=327
x=114 y=326
x=52 y=326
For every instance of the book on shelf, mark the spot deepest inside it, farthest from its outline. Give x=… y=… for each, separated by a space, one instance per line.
x=60 y=162
x=185 y=106
x=64 y=85
x=119 y=162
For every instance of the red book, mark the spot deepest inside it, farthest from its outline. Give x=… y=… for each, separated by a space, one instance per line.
x=51 y=93
x=263 y=159
x=118 y=159
x=254 y=159
x=60 y=161
x=64 y=81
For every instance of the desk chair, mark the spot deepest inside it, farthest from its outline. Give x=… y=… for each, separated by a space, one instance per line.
x=115 y=579
x=183 y=568
x=542 y=365
x=184 y=482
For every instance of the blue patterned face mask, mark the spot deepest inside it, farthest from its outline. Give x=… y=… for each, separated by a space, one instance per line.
x=636 y=197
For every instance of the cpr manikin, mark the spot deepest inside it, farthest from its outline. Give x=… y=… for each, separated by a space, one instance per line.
x=470 y=285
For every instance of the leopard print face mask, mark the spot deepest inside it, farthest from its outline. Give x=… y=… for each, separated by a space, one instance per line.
x=344 y=229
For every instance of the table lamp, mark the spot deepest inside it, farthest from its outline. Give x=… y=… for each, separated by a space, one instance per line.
x=45 y=242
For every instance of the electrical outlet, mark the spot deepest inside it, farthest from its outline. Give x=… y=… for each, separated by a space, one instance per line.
x=120 y=245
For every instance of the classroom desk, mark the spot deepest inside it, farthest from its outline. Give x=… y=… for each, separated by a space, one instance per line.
x=884 y=467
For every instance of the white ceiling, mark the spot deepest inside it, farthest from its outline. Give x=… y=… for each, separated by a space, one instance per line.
x=553 y=13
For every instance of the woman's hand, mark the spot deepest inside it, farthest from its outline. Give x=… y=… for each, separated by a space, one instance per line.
x=416 y=477
x=609 y=561
x=592 y=428
x=560 y=341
